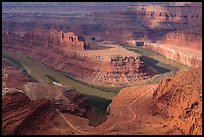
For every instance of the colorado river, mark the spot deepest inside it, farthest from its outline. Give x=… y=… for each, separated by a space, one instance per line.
x=38 y=71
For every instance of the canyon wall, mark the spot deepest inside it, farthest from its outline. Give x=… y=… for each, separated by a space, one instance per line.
x=190 y=39
x=18 y=111
x=26 y=102
x=115 y=71
x=139 y=21
x=178 y=99
x=184 y=47
x=56 y=38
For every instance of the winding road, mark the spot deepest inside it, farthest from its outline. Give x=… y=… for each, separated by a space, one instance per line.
x=126 y=121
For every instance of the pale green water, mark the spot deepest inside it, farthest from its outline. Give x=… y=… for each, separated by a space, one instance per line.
x=38 y=71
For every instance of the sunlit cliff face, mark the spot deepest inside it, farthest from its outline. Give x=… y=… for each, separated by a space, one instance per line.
x=179 y=3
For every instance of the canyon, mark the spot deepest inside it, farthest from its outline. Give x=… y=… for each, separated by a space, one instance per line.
x=168 y=109
x=29 y=102
x=184 y=47
x=135 y=23
x=113 y=66
x=130 y=68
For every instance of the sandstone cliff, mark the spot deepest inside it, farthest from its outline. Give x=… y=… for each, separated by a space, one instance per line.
x=139 y=21
x=178 y=99
x=100 y=68
x=184 y=47
x=190 y=39
x=54 y=38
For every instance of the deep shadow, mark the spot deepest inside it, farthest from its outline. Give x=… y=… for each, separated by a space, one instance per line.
x=152 y=62
x=100 y=105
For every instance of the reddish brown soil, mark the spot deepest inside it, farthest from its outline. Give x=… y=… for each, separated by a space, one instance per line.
x=179 y=99
x=13 y=77
x=110 y=67
x=18 y=111
x=135 y=110
x=34 y=104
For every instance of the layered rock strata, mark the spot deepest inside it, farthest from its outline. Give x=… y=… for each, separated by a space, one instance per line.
x=18 y=111
x=26 y=102
x=13 y=77
x=190 y=39
x=178 y=99
x=139 y=21
x=184 y=47
x=115 y=71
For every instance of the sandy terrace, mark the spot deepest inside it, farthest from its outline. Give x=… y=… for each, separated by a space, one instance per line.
x=106 y=54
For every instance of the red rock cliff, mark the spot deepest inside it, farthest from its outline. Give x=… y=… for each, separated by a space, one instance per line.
x=117 y=71
x=178 y=99
x=54 y=38
x=18 y=111
x=184 y=47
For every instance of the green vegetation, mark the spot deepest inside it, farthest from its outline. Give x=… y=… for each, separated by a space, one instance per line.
x=159 y=62
x=19 y=65
x=158 y=78
x=101 y=88
x=38 y=71
x=99 y=103
x=14 y=61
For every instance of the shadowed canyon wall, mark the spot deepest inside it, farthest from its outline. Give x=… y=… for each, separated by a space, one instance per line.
x=52 y=50
x=135 y=22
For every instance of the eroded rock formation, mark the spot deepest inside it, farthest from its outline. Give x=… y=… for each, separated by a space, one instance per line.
x=139 y=21
x=114 y=70
x=13 y=77
x=76 y=104
x=190 y=39
x=184 y=47
x=179 y=99
x=26 y=102
x=18 y=111
x=51 y=38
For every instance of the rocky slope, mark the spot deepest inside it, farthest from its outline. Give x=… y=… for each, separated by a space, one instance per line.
x=18 y=111
x=178 y=99
x=112 y=67
x=184 y=47
x=65 y=99
x=190 y=39
x=13 y=77
x=26 y=102
x=174 y=108
x=132 y=23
